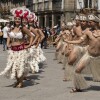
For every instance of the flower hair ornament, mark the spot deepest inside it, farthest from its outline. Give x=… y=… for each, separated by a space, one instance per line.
x=17 y=12
x=31 y=16
x=26 y=13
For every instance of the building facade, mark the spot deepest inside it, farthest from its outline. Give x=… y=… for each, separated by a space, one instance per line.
x=50 y=12
x=54 y=12
x=6 y=5
x=71 y=7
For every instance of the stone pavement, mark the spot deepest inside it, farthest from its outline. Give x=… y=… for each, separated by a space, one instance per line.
x=46 y=85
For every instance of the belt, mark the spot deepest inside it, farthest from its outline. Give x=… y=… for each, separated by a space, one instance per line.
x=18 y=47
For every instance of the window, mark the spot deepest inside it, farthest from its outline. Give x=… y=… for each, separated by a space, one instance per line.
x=40 y=0
x=88 y=3
x=98 y=3
x=85 y=4
x=40 y=6
x=80 y=4
x=33 y=7
x=30 y=2
x=34 y=1
x=46 y=5
x=56 y=0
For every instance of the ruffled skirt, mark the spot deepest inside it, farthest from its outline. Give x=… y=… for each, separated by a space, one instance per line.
x=36 y=56
x=16 y=63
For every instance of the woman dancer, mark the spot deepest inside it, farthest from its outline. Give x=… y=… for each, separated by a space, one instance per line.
x=40 y=55
x=17 y=55
x=33 y=62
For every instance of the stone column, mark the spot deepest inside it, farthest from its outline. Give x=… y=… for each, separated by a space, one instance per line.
x=41 y=23
x=47 y=22
x=45 y=16
x=53 y=20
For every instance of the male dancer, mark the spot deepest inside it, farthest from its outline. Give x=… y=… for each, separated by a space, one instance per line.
x=93 y=53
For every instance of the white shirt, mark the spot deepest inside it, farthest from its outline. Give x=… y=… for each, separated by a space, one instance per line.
x=5 y=31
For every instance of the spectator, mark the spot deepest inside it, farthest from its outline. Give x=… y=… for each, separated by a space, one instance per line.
x=44 y=42
x=1 y=36
x=5 y=30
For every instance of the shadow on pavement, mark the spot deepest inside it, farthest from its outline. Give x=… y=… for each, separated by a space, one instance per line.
x=88 y=78
x=94 y=88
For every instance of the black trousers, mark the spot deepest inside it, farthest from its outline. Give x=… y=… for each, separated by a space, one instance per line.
x=4 y=43
x=1 y=39
x=44 y=44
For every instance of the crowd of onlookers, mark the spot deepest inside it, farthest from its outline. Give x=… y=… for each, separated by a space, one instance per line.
x=49 y=33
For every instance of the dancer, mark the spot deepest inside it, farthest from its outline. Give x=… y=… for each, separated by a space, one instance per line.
x=76 y=51
x=17 y=55
x=91 y=56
